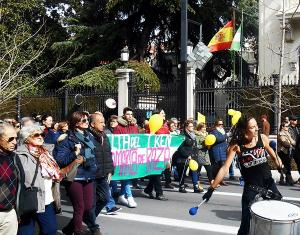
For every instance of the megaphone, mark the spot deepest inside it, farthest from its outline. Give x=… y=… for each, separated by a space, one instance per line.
x=111 y=103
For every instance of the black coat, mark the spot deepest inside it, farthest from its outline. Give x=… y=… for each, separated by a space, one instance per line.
x=103 y=154
x=186 y=149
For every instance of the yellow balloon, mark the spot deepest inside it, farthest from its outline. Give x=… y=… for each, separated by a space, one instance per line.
x=155 y=123
x=238 y=113
x=235 y=118
x=231 y=112
x=193 y=165
x=210 y=140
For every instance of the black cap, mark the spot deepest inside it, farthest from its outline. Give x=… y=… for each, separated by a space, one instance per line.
x=293 y=117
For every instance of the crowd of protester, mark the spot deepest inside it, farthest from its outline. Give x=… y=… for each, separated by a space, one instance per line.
x=45 y=156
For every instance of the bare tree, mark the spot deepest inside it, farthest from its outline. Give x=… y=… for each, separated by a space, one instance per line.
x=19 y=71
x=265 y=97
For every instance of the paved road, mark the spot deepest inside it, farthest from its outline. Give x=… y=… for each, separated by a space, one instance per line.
x=220 y=216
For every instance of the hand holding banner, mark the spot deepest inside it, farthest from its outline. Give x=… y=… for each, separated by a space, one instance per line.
x=139 y=155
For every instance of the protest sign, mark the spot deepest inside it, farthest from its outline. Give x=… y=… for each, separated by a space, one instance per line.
x=139 y=155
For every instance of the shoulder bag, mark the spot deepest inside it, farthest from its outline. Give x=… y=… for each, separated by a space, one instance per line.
x=28 y=197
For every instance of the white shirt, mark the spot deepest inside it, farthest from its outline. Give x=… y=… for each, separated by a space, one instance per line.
x=48 y=191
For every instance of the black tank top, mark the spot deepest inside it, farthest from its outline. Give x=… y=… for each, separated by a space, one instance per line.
x=254 y=166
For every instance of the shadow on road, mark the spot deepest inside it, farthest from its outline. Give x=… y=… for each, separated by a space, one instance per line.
x=228 y=215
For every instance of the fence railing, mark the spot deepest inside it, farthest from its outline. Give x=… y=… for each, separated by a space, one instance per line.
x=212 y=99
x=60 y=103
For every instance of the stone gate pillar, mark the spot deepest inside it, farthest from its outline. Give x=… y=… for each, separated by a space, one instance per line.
x=123 y=79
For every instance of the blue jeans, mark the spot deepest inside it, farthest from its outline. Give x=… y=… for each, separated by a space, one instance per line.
x=111 y=203
x=195 y=177
x=125 y=188
x=114 y=186
x=46 y=221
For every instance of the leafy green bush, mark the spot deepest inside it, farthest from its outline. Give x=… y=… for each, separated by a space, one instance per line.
x=104 y=78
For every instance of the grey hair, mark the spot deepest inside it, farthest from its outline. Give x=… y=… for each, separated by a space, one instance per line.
x=3 y=127
x=26 y=119
x=26 y=131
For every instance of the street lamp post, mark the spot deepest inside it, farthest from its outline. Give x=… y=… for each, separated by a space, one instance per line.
x=123 y=75
x=183 y=57
x=190 y=85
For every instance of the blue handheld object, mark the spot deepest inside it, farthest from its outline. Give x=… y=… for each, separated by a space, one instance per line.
x=193 y=210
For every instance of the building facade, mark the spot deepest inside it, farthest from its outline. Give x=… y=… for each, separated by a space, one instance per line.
x=271 y=13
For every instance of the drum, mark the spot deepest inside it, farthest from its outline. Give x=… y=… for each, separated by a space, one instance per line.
x=274 y=217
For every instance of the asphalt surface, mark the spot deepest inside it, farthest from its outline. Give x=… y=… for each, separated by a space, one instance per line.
x=221 y=215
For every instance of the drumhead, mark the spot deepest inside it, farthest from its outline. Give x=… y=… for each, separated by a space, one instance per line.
x=276 y=210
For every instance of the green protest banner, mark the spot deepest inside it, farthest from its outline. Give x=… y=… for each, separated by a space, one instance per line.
x=139 y=155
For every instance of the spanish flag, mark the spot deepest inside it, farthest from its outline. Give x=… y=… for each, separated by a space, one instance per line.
x=222 y=39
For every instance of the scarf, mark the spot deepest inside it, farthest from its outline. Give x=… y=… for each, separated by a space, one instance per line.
x=203 y=133
x=49 y=167
x=221 y=130
x=192 y=135
x=88 y=144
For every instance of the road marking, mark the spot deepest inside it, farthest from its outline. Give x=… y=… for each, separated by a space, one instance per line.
x=175 y=223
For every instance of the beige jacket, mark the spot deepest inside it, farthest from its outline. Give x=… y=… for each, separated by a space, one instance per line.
x=285 y=141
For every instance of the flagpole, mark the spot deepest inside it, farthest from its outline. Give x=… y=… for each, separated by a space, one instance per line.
x=233 y=52
x=241 y=48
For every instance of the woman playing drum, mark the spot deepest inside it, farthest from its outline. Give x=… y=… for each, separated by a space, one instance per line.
x=251 y=148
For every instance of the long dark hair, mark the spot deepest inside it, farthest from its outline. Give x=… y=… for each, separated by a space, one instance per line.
x=239 y=131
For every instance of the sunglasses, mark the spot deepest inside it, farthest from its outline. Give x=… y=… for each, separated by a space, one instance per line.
x=220 y=124
x=84 y=120
x=10 y=139
x=36 y=135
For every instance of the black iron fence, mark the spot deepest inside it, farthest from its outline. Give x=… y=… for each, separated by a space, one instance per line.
x=212 y=98
x=60 y=103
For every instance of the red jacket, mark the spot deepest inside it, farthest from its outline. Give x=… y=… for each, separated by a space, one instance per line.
x=124 y=127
